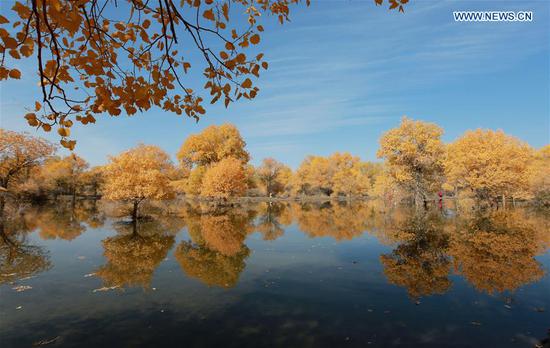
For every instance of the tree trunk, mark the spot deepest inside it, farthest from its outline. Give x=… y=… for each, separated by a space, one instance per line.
x=418 y=200
x=74 y=196
x=3 y=194
x=135 y=211
x=2 y=204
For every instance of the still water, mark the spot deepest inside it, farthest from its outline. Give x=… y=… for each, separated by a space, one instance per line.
x=288 y=275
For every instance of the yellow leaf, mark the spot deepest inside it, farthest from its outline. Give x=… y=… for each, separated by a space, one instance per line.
x=15 y=54
x=247 y=83
x=64 y=132
x=225 y=10
x=208 y=14
x=26 y=50
x=255 y=39
x=15 y=74
x=229 y=46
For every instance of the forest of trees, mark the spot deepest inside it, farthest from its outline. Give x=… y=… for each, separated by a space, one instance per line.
x=485 y=166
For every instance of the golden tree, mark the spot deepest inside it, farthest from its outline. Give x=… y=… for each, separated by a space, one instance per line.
x=338 y=174
x=92 y=180
x=19 y=153
x=314 y=176
x=212 y=145
x=488 y=163
x=349 y=175
x=225 y=179
x=107 y=56
x=138 y=174
x=386 y=188
x=539 y=176
x=135 y=60
x=273 y=175
x=414 y=156
x=192 y=185
x=65 y=174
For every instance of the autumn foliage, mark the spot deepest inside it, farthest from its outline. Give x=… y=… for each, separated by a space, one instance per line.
x=224 y=179
x=114 y=57
x=414 y=155
x=489 y=164
x=215 y=161
x=138 y=174
x=214 y=164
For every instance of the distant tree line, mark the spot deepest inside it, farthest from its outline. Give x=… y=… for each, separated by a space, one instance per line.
x=484 y=165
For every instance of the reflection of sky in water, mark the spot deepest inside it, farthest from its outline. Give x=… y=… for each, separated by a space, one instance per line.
x=295 y=290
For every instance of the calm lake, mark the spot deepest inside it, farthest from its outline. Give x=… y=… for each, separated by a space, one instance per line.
x=281 y=274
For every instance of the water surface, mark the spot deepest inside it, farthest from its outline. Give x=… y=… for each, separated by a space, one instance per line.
x=289 y=275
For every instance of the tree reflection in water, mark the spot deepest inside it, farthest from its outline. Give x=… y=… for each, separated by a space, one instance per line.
x=341 y=220
x=420 y=262
x=18 y=258
x=63 y=220
x=495 y=251
x=216 y=253
x=272 y=220
x=136 y=251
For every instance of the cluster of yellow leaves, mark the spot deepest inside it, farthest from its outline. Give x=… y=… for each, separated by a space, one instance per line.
x=19 y=152
x=215 y=159
x=212 y=145
x=138 y=174
x=64 y=174
x=337 y=174
x=224 y=179
x=539 y=176
x=274 y=176
x=488 y=163
x=414 y=156
x=91 y=62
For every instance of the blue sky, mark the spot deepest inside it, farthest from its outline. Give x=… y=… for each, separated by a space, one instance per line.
x=343 y=72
